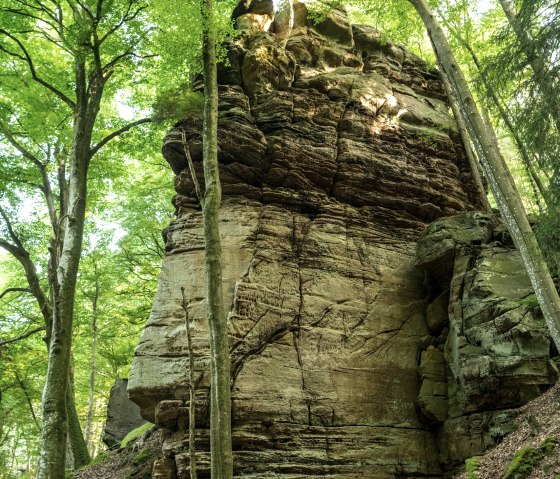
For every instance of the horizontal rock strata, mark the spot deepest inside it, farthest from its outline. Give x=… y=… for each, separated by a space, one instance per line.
x=336 y=150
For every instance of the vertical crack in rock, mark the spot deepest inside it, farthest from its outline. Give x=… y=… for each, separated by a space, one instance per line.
x=335 y=154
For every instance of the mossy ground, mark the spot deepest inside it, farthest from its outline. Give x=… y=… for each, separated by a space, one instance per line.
x=134 y=461
x=523 y=463
x=530 y=451
x=136 y=433
x=472 y=466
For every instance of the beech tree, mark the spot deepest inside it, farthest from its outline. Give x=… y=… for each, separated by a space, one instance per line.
x=220 y=362
x=498 y=175
x=65 y=54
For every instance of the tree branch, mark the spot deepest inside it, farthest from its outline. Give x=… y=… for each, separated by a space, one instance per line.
x=36 y=77
x=22 y=336
x=14 y=290
x=19 y=252
x=26 y=153
x=11 y=232
x=120 y=131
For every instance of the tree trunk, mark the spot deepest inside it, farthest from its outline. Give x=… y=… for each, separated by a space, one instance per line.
x=220 y=367
x=504 y=114
x=498 y=175
x=78 y=446
x=55 y=393
x=89 y=418
x=471 y=156
x=192 y=391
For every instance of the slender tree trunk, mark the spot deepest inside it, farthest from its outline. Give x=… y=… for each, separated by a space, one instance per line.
x=498 y=175
x=471 y=156
x=28 y=399
x=504 y=114
x=78 y=446
x=93 y=372
x=192 y=391
x=220 y=367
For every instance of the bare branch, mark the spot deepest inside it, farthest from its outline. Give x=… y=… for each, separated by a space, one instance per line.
x=14 y=290
x=22 y=336
x=37 y=78
x=19 y=252
x=119 y=132
x=197 y=190
x=127 y=17
x=28 y=399
x=26 y=153
x=11 y=232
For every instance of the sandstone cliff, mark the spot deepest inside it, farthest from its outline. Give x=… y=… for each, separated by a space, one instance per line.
x=336 y=151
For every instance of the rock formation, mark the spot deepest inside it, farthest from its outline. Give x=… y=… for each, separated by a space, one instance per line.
x=336 y=151
x=122 y=414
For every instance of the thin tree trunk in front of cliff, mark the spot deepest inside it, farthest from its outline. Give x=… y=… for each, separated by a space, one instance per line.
x=498 y=175
x=192 y=390
x=471 y=156
x=93 y=372
x=220 y=367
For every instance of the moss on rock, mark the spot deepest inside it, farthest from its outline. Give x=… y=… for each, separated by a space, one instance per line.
x=472 y=464
x=523 y=463
x=136 y=433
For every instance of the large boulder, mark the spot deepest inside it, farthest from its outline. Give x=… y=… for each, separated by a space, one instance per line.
x=123 y=415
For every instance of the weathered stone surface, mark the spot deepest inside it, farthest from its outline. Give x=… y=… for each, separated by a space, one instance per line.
x=253 y=22
x=336 y=26
x=437 y=316
x=497 y=345
x=123 y=415
x=164 y=469
x=335 y=153
x=167 y=413
x=440 y=242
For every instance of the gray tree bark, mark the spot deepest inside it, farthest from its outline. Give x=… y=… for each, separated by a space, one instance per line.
x=498 y=175
x=93 y=372
x=220 y=363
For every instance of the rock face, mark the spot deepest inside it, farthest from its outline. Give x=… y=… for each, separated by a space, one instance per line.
x=336 y=151
x=122 y=415
x=490 y=338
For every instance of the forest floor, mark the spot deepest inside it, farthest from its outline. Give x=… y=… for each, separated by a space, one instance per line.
x=132 y=462
x=532 y=451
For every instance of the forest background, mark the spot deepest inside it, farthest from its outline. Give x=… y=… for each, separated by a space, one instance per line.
x=151 y=52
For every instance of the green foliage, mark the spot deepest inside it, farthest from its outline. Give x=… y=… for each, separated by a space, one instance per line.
x=396 y=20
x=137 y=433
x=523 y=463
x=530 y=302
x=177 y=103
x=548 y=445
x=318 y=10
x=472 y=464
x=142 y=457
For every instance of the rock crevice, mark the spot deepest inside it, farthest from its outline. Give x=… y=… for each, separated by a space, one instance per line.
x=336 y=151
